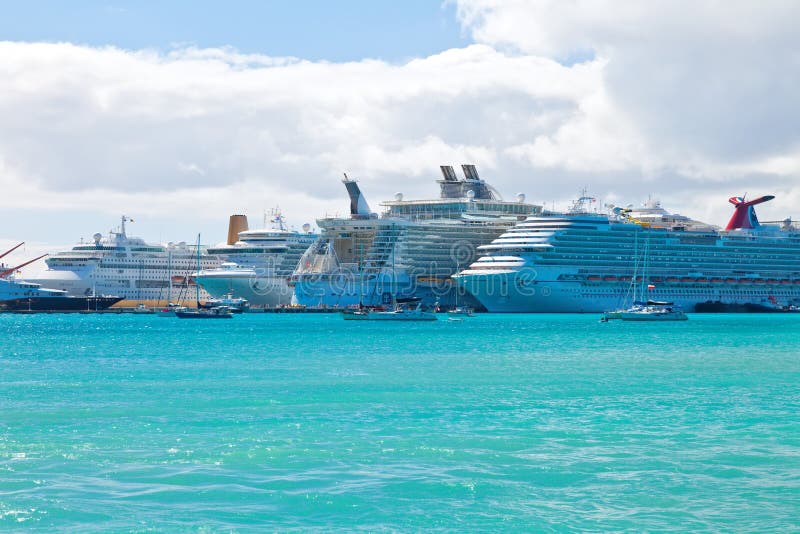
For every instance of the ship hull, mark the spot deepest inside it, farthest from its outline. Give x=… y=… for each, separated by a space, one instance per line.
x=512 y=293
x=345 y=291
x=260 y=291
x=81 y=285
x=59 y=304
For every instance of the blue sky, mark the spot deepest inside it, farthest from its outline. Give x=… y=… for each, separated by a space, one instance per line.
x=343 y=30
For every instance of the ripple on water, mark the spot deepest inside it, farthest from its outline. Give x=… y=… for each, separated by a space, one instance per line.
x=119 y=423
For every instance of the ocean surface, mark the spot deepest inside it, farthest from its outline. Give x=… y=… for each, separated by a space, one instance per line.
x=498 y=423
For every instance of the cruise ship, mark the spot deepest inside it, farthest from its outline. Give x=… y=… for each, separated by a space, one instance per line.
x=411 y=250
x=21 y=295
x=585 y=261
x=258 y=263
x=128 y=267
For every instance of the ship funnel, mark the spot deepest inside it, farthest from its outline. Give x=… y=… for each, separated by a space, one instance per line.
x=744 y=216
x=359 y=209
x=470 y=172
x=236 y=224
x=448 y=173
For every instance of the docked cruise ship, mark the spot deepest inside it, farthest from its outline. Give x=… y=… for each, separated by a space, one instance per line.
x=129 y=267
x=21 y=295
x=583 y=261
x=411 y=250
x=258 y=263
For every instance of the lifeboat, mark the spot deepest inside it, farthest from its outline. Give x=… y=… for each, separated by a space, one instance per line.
x=759 y=280
x=672 y=279
x=772 y=281
x=610 y=278
x=786 y=282
x=593 y=278
x=702 y=280
x=624 y=278
x=716 y=280
x=745 y=280
x=656 y=279
x=731 y=281
x=687 y=279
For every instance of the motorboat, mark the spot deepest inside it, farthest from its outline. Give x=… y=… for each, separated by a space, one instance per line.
x=236 y=304
x=403 y=310
x=461 y=311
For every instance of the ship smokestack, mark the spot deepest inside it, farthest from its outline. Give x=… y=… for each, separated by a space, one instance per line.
x=470 y=172
x=359 y=209
x=448 y=173
x=237 y=223
x=744 y=216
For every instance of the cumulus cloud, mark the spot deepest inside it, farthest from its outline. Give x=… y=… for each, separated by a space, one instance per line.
x=155 y=130
x=693 y=101
x=699 y=83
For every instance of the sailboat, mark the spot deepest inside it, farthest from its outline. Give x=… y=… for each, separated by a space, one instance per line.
x=459 y=312
x=649 y=310
x=169 y=309
x=217 y=312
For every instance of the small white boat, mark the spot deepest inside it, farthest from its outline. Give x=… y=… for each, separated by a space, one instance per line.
x=461 y=311
x=142 y=309
x=402 y=311
x=236 y=304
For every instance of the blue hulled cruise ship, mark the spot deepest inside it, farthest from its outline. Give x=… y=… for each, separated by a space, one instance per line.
x=582 y=261
x=411 y=250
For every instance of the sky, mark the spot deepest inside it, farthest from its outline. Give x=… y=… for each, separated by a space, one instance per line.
x=181 y=113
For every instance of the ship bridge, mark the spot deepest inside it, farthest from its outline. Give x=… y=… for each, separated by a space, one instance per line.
x=468 y=199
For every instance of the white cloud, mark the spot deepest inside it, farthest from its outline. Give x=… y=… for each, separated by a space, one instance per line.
x=109 y=130
x=695 y=83
x=690 y=101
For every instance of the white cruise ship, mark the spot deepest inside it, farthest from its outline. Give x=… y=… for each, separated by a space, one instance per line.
x=411 y=250
x=258 y=263
x=139 y=272
x=581 y=261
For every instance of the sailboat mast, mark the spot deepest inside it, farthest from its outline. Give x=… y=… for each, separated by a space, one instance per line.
x=394 y=283
x=644 y=267
x=196 y=283
x=169 y=274
x=361 y=277
x=635 y=262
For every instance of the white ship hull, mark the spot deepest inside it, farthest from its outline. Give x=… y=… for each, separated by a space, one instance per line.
x=511 y=293
x=76 y=283
x=79 y=287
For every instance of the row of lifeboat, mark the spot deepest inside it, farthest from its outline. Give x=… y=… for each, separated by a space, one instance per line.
x=696 y=280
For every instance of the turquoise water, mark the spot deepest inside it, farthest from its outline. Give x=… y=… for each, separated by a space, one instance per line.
x=270 y=422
